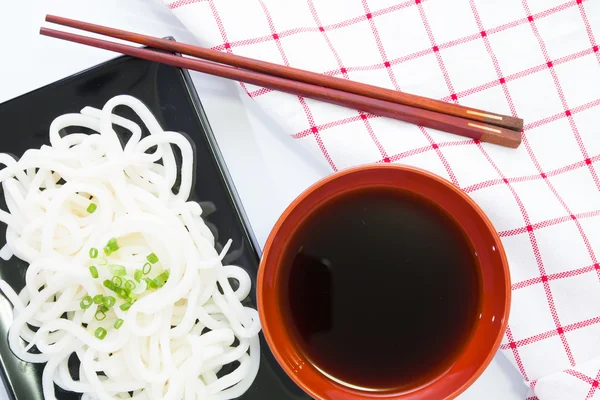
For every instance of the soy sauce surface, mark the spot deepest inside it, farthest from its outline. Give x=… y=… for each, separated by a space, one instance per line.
x=383 y=289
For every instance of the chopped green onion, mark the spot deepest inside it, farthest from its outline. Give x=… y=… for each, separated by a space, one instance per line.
x=94 y=272
x=109 y=301
x=99 y=315
x=117 y=281
x=147 y=268
x=150 y=284
x=129 y=284
x=91 y=208
x=166 y=273
x=107 y=250
x=98 y=299
x=117 y=270
x=125 y=306
x=86 y=302
x=108 y=284
x=100 y=333
x=93 y=252
x=103 y=309
x=133 y=297
x=138 y=275
x=118 y=323
x=161 y=279
x=112 y=245
x=123 y=293
x=152 y=258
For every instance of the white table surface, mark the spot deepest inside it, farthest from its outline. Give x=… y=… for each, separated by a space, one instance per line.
x=267 y=168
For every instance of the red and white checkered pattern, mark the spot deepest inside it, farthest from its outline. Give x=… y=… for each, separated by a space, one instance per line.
x=536 y=59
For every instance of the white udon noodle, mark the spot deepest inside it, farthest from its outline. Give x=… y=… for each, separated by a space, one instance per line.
x=160 y=352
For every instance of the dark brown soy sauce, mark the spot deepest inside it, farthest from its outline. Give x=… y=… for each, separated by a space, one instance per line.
x=383 y=289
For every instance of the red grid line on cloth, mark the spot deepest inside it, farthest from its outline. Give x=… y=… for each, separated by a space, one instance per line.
x=512 y=77
x=336 y=55
x=402 y=59
x=223 y=33
x=559 y=275
x=592 y=381
x=530 y=150
x=532 y=384
x=307 y=111
x=588 y=29
x=435 y=48
x=538 y=258
x=558 y=116
x=534 y=177
x=548 y=291
x=309 y=29
x=442 y=46
x=560 y=92
x=394 y=81
x=462 y=40
x=549 y=222
x=516 y=355
x=532 y=398
x=594 y=387
x=513 y=345
x=424 y=149
x=380 y=47
x=544 y=279
x=532 y=238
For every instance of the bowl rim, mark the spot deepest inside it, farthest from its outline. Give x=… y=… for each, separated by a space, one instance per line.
x=352 y=170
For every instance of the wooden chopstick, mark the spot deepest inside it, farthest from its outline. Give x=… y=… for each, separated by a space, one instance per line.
x=461 y=126
x=296 y=74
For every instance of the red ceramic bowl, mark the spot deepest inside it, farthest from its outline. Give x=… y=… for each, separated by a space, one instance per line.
x=476 y=354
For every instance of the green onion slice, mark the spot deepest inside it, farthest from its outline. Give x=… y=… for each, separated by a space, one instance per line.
x=150 y=284
x=117 y=281
x=109 y=301
x=152 y=258
x=108 y=284
x=93 y=252
x=98 y=299
x=125 y=306
x=112 y=245
x=147 y=268
x=94 y=272
x=91 y=208
x=100 y=333
x=117 y=270
x=100 y=315
x=118 y=323
x=86 y=302
x=137 y=275
x=129 y=284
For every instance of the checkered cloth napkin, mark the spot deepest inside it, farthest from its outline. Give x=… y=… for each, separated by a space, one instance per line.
x=536 y=59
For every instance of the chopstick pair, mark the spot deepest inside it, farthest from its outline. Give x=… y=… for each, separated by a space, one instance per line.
x=465 y=121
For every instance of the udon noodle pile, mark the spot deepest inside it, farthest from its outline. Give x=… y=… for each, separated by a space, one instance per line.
x=123 y=274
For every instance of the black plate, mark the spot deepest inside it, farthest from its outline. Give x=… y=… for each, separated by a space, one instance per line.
x=169 y=93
